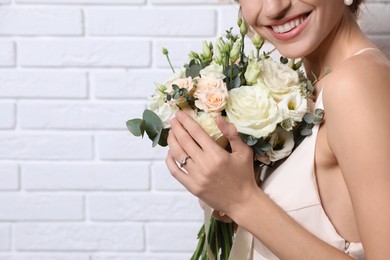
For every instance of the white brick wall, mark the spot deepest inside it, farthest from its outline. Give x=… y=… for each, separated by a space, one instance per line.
x=74 y=184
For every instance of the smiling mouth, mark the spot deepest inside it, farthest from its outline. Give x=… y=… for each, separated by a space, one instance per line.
x=290 y=25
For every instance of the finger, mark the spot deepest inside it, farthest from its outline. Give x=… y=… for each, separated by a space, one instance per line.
x=195 y=130
x=231 y=133
x=178 y=153
x=177 y=173
x=185 y=139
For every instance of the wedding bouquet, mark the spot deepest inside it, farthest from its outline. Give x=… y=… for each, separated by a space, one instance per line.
x=266 y=100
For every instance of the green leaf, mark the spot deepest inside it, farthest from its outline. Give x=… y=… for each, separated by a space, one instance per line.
x=236 y=83
x=306 y=132
x=193 y=71
x=235 y=70
x=153 y=126
x=163 y=137
x=309 y=118
x=136 y=126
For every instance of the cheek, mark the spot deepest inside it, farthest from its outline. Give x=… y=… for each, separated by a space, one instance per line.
x=250 y=10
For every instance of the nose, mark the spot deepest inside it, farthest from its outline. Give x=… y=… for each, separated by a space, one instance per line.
x=276 y=9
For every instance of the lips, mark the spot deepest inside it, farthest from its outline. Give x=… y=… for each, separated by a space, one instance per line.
x=289 y=28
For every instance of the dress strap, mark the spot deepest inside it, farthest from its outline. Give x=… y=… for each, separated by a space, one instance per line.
x=366 y=49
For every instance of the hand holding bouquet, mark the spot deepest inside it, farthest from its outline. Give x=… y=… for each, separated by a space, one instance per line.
x=266 y=100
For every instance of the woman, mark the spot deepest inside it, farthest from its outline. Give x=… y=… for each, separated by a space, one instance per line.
x=331 y=198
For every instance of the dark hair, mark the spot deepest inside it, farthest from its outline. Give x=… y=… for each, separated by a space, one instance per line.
x=355 y=6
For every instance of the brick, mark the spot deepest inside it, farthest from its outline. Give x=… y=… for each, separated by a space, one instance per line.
x=79 y=2
x=145 y=207
x=124 y=146
x=56 y=256
x=5 y=238
x=39 y=207
x=9 y=176
x=7 y=115
x=86 y=176
x=183 y=22
x=159 y=256
x=376 y=19
x=43 y=84
x=79 y=237
x=162 y=179
x=55 y=115
x=188 y=2
x=172 y=237
x=7 y=54
x=132 y=84
x=228 y=19
x=178 y=52
x=84 y=53
x=383 y=43
x=49 y=146
x=40 y=21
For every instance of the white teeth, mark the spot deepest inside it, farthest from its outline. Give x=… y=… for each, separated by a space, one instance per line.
x=288 y=26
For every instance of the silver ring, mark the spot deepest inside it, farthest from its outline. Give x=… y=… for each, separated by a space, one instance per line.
x=183 y=161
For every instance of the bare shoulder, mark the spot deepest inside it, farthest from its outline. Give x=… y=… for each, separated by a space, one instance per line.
x=365 y=73
x=356 y=101
x=360 y=86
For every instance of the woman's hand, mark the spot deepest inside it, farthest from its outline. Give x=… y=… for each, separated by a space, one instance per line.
x=221 y=179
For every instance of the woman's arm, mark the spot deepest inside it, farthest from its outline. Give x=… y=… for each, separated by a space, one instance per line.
x=226 y=182
x=358 y=118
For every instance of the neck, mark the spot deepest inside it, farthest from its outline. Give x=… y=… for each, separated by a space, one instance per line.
x=342 y=42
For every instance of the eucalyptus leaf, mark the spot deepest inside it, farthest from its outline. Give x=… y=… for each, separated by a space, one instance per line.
x=266 y=147
x=306 y=132
x=236 y=83
x=193 y=71
x=309 y=118
x=136 y=126
x=153 y=125
x=235 y=70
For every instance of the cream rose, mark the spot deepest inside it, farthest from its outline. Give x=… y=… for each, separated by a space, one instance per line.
x=293 y=106
x=186 y=83
x=282 y=143
x=208 y=123
x=212 y=100
x=213 y=71
x=279 y=78
x=253 y=111
x=205 y=84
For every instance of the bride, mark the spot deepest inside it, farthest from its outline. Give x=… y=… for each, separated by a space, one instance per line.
x=331 y=198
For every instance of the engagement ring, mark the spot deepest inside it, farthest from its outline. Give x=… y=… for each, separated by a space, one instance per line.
x=183 y=161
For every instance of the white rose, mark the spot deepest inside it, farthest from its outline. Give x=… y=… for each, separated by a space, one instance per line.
x=165 y=112
x=294 y=106
x=279 y=78
x=282 y=143
x=156 y=100
x=213 y=71
x=253 y=111
x=212 y=100
x=207 y=122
